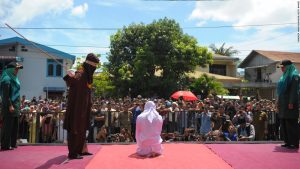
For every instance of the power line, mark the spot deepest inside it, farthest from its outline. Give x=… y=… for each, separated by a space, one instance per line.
x=95 y=46
x=33 y=51
x=62 y=28
x=195 y=27
x=239 y=26
x=271 y=38
x=78 y=46
x=73 y=46
x=187 y=0
x=106 y=54
x=39 y=49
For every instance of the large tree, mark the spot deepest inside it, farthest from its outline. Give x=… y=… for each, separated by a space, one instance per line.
x=153 y=59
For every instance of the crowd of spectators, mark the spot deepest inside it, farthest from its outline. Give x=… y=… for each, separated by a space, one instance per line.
x=113 y=120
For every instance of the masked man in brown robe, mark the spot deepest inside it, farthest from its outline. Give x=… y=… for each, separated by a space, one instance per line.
x=79 y=105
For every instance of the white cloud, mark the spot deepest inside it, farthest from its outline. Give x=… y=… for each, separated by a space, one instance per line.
x=5 y=5
x=80 y=10
x=19 y=12
x=100 y=40
x=263 y=40
x=109 y=3
x=253 y=12
x=247 y=12
x=105 y=3
x=134 y=4
x=267 y=40
x=201 y=23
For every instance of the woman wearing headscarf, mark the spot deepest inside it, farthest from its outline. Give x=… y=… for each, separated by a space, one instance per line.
x=11 y=102
x=148 y=130
x=288 y=104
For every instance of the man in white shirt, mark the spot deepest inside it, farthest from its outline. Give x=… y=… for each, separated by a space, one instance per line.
x=148 y=130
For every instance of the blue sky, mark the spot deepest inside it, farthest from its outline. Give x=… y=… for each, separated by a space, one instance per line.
x=119 y=13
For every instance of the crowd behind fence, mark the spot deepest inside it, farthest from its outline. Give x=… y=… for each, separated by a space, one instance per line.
x=114 y=120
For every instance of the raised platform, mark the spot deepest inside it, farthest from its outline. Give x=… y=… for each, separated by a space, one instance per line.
x=175 y=156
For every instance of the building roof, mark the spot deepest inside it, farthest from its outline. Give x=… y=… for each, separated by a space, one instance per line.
x=224 y=79
x=222 y=57
x=276 y=56
x=47 y=49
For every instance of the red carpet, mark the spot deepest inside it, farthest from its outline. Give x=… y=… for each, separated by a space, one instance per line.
x=257 y=156
x=175 y=156
x=42 y=157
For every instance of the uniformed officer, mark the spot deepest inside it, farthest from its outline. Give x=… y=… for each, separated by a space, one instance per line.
x=288 y=104
x=10 y=93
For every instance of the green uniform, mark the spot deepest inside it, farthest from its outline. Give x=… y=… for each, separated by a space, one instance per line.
x=10 y=92
x=288 y=93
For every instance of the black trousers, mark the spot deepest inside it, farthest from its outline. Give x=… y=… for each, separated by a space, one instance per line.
x=290 y=131
x=133 y=128
x=9 y=132
x=75 y=143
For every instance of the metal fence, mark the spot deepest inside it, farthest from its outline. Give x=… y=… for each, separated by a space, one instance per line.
x=112 y=126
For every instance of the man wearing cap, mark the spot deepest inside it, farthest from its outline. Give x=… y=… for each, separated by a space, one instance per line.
x=288 y=104
x=11 y=102
x=77 y=116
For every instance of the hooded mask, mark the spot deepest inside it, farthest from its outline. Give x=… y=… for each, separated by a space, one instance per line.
x=90 y=65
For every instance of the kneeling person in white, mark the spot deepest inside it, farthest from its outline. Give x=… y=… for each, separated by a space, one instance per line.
x=148 y=129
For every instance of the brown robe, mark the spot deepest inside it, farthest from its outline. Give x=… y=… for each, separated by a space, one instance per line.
x=77 y=116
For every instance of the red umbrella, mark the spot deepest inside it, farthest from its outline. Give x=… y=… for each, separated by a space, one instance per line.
x=187 y=95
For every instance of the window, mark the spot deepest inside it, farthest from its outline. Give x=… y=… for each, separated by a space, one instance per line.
x=258 y=75
x=58 y=70
x=50 y=69
x=218 y=69
x=54 y=69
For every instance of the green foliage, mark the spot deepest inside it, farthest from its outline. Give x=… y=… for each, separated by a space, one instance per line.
x=205 y=85
x=223 y=51
x=153 y=59
x=102 y=84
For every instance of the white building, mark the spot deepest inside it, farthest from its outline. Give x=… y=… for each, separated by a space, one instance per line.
x=261 y=70
x=42 y=75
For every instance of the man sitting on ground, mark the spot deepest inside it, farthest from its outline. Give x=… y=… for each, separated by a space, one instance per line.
x=246 y=131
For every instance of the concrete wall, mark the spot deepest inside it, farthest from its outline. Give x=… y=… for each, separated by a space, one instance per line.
x=259 y=60
x=231 y=68
x=272 y=71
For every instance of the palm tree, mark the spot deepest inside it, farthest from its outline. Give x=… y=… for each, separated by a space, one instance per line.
x=223 y=51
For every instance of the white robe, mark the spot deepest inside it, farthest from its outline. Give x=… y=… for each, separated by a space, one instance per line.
x=148 y=129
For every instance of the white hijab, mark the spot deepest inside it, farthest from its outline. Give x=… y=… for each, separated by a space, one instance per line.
x=150 y=111
x=148 y=130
